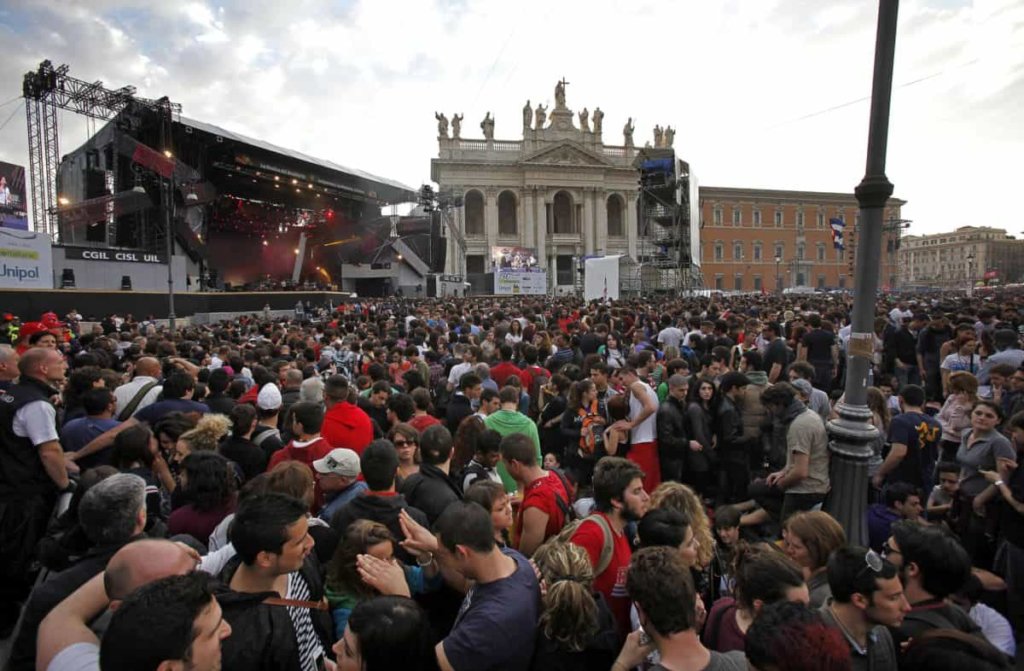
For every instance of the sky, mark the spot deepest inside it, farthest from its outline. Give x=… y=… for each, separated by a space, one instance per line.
x=762 y=93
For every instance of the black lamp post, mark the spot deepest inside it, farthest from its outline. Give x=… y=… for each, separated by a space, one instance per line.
x=778 y=278
x=970 y=275
x=852 y=434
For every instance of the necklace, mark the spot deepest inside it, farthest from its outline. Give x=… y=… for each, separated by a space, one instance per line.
x=846 y=632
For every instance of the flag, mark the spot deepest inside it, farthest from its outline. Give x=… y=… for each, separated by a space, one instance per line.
x=837 y=232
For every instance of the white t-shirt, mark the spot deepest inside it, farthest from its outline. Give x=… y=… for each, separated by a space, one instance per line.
x=670 y=337
x=36 y=421
x=77 y=657
x=457 y=371
x=646 y=431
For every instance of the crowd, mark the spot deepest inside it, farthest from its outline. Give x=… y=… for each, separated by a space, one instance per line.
x=511 y=484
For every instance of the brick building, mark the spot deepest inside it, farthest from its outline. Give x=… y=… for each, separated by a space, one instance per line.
x=746 y=230
x=954 y=260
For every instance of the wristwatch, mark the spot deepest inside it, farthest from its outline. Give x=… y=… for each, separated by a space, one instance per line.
x=998 y=483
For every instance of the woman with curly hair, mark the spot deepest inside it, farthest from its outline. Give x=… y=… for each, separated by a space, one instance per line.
x=576 y=628
x=208 y=484
x=682 y=498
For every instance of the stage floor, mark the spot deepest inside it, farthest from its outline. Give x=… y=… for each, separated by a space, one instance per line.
x=29 y=305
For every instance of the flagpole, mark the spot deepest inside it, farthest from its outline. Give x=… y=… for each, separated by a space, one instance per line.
x=853 y=433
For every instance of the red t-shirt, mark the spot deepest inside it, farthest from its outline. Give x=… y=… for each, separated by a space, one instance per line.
x=307 y=453
x=612 y=581
x=421 y=422
x=541 y=494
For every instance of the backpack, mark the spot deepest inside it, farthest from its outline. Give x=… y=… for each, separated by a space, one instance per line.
x=607 y=549
x=568 y=512
x=591 y=430
x=258 y=440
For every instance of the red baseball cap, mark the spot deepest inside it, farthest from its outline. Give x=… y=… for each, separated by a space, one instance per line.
x=50 y=320
x=29 y=328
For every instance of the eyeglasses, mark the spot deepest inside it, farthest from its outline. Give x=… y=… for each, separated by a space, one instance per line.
x=889 y=550
x=403 y=443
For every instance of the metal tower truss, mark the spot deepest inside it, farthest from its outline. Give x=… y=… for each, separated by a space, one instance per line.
x=47 y=90
x=664 y=260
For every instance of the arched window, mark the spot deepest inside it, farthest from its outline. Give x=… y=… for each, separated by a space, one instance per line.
x=474 y=204
x=615 y=208
x=506 y=213
x=561 y=212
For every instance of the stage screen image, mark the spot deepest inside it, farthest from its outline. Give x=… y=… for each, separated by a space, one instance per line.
x=13 y=204
x=517 y=259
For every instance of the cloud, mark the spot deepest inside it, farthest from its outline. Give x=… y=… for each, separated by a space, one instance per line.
x=357 y=82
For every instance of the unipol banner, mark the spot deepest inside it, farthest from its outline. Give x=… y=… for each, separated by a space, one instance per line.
x=601 y=278
x=514 y=283
x=26 y=261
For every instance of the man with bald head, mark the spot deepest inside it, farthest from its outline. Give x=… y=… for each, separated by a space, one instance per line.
x=8 y=366
x=65 y=639
x=32 y=472
x=143 y=390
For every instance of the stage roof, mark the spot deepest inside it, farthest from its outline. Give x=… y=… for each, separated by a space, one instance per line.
x=387 y=190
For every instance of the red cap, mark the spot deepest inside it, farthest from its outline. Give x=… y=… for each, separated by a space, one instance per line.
x=50 y=320
x=29 y=328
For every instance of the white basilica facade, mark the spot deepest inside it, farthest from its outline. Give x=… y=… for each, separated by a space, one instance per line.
x=559 y=190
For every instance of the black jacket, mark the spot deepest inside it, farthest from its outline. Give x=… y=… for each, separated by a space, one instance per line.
x=377 y=508
x=673 y=436
x=221 y=404
x=250 y=458
x=431 y=490
x=901 y=345
x=263 y=636
x=730 y=430
x=459 y=409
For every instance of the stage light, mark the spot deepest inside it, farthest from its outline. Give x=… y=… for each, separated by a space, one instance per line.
x=295 y=181
x=63 y=201
x=298 y=190
x=296 y=250
x=276 y=178
x=265 y=243
x=168 y=154
x=399 y=257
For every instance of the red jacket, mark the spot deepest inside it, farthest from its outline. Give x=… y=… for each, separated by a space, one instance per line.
x=346 y=425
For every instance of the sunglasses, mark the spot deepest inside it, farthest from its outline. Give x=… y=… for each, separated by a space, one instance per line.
x=949 y=481
x=872 y=561
x=889 y=550
x=403 y=443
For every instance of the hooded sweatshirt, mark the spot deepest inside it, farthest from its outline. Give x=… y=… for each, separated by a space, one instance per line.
x=512 y=421
x=380 y=507
x=346 y=425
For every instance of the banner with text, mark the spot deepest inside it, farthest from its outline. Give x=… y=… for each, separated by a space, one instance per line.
x=513 y=282
x=125 y=255
x=26 y=261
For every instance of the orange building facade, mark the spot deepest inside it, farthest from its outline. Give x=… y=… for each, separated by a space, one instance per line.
x=769 y=240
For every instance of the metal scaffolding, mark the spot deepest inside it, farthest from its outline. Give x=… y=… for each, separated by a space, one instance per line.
x=668 y=258
x=48 y=89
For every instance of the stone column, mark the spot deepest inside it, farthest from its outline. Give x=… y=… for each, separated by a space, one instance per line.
x=491 y=219
x=631 y=223
x=539 y=196
x=529 y=236
x=587 y=227
x=601 y=203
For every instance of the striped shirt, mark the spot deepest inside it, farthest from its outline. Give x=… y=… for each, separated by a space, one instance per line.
x=308 y=643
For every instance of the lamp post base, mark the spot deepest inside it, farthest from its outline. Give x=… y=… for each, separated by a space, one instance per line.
x=850 y=439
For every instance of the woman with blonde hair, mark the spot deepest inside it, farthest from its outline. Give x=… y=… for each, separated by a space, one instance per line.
x=955 y=415
x=683 y=499
x=205 y=436
x=576 y=628
x=810 y=537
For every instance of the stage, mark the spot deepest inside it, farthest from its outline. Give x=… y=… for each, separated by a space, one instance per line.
x=199 y=307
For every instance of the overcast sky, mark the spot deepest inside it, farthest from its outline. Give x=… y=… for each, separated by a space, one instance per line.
x=763 y=93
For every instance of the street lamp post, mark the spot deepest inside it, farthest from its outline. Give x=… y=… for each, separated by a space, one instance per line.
x=778 y=278
x=852 y=434
x=970 y=275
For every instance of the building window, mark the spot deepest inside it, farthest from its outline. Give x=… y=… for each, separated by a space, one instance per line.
x=737 y=251
x=719 y=251
x=780 y=251
x=737 y=283
x=718 y=216
x=474 y=264
x=562 y=214
x=841 y=254
x=474 y=204
x=735 y=216
x=800 y=219
x=615 y=208
x=719 y=282
x=800 y=280
x=821 y=251
x=507 y=213
x=757 y=283
x=821 y=220
x=563 y=269
x=800 y=252
x=821 y=281
x=778 y=218
x=757 y=217
x=757 y=251
x=842 y=281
